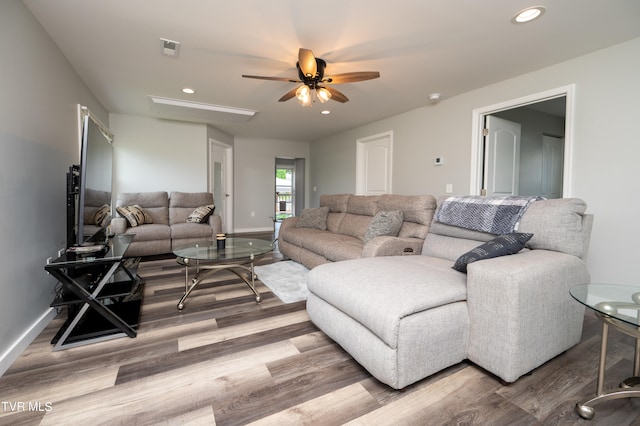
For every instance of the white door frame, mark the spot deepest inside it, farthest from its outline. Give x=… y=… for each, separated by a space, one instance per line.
x=228 y=176
x=478 y=126
x=361 y=161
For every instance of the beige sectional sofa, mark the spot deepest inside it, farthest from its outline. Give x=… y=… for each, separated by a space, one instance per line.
x=168 y=215
x=407 y=317
x=348 y=231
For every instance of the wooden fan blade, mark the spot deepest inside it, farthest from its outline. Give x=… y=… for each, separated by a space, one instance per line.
x=336 y=95
x=307 y=62
x=351 y=77
x=259 y=77
x=290 y=94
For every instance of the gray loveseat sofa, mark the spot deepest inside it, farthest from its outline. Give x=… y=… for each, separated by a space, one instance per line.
x=346 y=230
x=407 y=317
x=169 y=228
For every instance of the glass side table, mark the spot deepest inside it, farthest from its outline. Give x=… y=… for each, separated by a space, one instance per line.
x=618 y=306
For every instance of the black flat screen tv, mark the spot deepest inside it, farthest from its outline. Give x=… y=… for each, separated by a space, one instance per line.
x=89 y=183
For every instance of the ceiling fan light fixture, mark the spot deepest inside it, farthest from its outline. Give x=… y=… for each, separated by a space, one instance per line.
x=323 y=94
x=528 y=14
x=304 y=95
x=303 y=92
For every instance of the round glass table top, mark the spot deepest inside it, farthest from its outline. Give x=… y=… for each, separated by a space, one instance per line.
x=617 y=301
x=235 y=249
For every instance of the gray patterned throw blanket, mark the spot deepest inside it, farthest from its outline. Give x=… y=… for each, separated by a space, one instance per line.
x=495 y=215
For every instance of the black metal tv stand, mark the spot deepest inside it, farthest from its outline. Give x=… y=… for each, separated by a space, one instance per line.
x=100 y=290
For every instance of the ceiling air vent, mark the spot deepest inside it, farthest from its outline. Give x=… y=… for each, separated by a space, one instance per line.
x=170 y=48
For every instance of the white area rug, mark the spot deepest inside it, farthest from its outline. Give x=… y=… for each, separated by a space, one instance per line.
x=286 y=279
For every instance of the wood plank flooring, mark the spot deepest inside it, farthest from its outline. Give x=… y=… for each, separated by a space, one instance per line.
x=225 y=360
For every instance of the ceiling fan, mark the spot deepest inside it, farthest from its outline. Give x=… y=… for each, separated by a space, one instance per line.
x=311 y=75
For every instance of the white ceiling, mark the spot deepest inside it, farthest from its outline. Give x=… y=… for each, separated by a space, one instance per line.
x=418 y=46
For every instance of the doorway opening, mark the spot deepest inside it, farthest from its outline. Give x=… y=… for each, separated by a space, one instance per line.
x=289 y=190
x=541 y=162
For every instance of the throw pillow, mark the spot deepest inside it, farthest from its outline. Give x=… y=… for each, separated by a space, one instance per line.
x=102 y=215
x=384 y=223
x=135 y=215
x=314 y=218
x=500 y=246
x=201 y=214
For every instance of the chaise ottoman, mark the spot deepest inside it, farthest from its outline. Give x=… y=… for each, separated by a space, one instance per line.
x=413 y=324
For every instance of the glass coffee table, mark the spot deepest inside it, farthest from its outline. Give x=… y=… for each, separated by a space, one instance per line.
x=237 y=256
x=618 y=306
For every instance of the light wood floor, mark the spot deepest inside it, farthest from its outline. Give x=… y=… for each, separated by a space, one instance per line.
x=226 y=360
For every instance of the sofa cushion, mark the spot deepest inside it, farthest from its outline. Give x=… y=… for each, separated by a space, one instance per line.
x=314 y=218
x=366 y=205
x=151 y=232
x=183 y=204
x=557 y=225
x=384 y=223
x=417 y=211
x=354 y=225
x=156 y=204
x=334 y=220
x=337 y=203
x=135 y=215
x=446 y=247
x=201 y=214
x=299 y=236
x=343 y=285
x=191 y=230
x=502 y=245
x=344 y=250
x=322 y=240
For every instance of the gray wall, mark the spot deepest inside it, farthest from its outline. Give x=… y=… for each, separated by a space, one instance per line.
x=38 y=142
x=158 y=155
x=604 y=159
x=254 y=179
x=163 y=155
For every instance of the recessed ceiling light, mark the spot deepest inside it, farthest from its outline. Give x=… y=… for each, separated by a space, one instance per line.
x=528 y=14
x=325 y=112
x=188 y=91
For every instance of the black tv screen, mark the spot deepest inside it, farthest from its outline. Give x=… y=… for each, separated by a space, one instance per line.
x=95 y=178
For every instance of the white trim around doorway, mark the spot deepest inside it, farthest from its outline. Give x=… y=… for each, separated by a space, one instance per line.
x=478 y=124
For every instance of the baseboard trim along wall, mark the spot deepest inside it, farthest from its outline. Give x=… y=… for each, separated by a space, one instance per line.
x=14 y=351
x=249 y=230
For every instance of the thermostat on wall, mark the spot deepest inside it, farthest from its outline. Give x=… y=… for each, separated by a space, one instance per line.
x=438 y=161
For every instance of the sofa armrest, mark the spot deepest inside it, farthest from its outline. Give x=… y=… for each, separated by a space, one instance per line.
x=286 y=224
x=392 y=246
x=118 y=225
x=521 y=312
x=216 y=223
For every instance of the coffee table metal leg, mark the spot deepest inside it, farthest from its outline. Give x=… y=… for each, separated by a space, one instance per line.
x=205 y=271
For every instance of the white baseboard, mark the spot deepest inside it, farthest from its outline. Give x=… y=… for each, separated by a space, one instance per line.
x=14 y=351
x=248 y=230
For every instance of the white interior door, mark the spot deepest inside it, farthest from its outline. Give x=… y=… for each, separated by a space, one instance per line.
x=552 y=165
x=501 y=157
x=374 y=158
x=221 y=182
